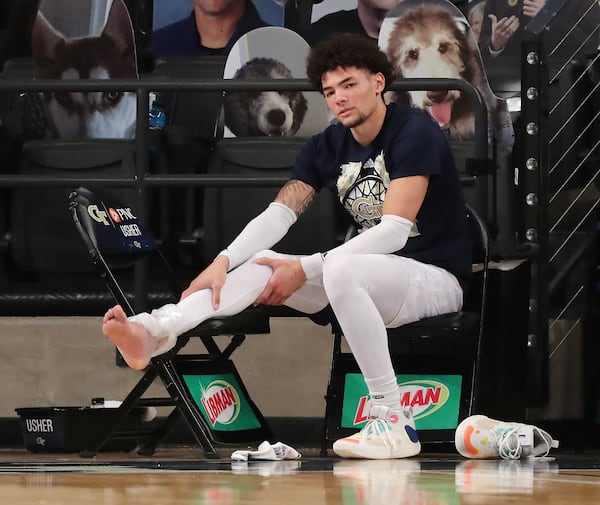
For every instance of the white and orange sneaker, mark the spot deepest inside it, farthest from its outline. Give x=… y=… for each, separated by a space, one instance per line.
x=388 y=434
x=481 y=437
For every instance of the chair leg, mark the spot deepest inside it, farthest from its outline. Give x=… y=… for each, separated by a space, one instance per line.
x=188 y=409
x=330 y=394
x=324 y=437
x=474 y=393
x=149 y=447
x=128 y=404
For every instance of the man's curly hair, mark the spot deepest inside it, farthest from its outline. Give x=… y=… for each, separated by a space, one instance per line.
x=346 y=50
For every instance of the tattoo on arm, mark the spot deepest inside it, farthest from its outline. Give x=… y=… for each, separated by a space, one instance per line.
x=297 y=195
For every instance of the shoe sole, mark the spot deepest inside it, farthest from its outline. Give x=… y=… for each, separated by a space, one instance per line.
x=347 y=451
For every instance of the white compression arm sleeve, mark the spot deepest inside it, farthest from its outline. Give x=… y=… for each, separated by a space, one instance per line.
x=389 y=236
x=262 y=232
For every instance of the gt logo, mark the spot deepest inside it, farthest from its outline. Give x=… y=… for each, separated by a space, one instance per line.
x=367 y=207
x=98 y=215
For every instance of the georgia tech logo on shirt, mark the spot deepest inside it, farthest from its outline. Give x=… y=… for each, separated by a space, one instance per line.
x=362 y=189
x=367 y=208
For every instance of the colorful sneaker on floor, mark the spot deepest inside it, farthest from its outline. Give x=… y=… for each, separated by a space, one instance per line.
x=388 y=434
x=482 y=437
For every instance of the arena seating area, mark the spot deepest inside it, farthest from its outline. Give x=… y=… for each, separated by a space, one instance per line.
x=195 y=189
x=44 y=268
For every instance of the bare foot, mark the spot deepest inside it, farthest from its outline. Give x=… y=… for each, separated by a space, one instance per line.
x=134 y=342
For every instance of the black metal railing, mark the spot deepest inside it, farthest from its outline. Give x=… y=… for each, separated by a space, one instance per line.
x=141 y=180
x=559 y=167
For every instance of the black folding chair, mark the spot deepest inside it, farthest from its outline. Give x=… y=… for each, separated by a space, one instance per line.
x=204 y=389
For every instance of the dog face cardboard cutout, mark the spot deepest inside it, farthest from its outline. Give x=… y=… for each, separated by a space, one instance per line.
x=433 y=39
x=110 y=55
x=271 y=53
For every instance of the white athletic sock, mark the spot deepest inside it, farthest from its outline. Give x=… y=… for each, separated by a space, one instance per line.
x=384 y=391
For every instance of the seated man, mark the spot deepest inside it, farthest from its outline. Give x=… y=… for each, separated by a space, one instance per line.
x=392 y=169
x=211 y=29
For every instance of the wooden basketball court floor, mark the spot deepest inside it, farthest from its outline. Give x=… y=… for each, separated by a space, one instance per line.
x=182 y=476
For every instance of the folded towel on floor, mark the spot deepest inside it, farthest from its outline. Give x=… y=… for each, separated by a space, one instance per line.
x=267 y=451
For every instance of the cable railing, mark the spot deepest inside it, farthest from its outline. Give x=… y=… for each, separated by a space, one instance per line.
x=560 y=151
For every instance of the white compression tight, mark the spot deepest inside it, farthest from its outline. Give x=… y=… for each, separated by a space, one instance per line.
x=372 y=292
x=241 y=289
x=368 y=292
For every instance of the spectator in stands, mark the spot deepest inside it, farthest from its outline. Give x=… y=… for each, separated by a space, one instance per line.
x=496 y=30
x=503 y=23
x=366 y=19
x=212 y=28
x=393 y=169
x=475 y=17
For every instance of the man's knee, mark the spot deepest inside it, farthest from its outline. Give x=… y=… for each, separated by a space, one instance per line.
x=336 y=271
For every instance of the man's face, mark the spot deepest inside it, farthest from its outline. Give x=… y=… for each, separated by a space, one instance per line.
x=352 y=94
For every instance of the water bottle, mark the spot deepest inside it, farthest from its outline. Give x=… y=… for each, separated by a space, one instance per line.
x=157 y=117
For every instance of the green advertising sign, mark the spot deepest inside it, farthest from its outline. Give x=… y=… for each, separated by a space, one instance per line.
x=435 y=400
x=221 y=402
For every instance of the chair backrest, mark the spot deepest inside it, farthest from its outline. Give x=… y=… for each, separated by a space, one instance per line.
x=15 y=68
x=194 y=111
x=109 y=227
x=43 y=240
x=228 y=209
x=117 y=240
x=474 y=295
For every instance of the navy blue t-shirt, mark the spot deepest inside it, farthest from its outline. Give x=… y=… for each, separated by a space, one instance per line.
x=181 y=38
x=409 y=144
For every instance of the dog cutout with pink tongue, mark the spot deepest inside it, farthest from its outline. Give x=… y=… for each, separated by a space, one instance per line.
x=433 y=39
x=441 y=112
